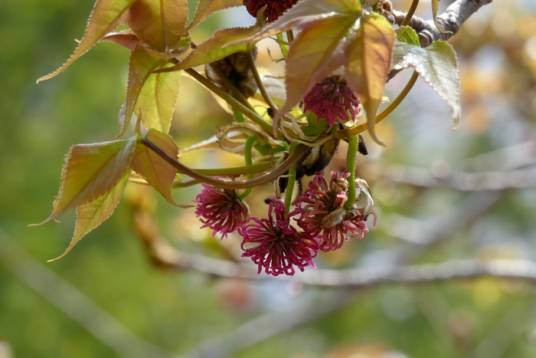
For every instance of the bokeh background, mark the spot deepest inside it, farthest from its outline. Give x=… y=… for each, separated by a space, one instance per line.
x=107 y=300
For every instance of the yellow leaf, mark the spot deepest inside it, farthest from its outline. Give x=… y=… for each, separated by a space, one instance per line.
x=368 y=64
x=104 y=17
x=158 y=173
x=207 y=7
x=160 y=23
x=91 y=215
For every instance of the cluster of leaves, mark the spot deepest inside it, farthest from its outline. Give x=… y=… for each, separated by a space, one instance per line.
x=318 y=38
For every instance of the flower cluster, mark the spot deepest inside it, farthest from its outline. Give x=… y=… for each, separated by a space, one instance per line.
x=285 y=241
x=332 y=100
x=274 y=8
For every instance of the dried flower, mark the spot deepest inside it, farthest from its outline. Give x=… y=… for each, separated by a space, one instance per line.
x=220 y=209
x=332 y=100
x=274 y=8
x=276 y=246
x=321 y=213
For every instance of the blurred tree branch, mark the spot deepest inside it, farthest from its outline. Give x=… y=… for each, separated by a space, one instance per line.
x=73 y=303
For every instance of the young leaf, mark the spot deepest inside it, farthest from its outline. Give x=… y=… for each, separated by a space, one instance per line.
x=408 y=35
x=158 y=99
x=126 y=39
x=159 y=23
x=90 y=170
x=438 y=66
x=368 y=64
x=224 y=43
x=207 y=7
x=307 y=11
x=91 y=215
x=104 y=17
x=316 y=52
x=158 y=173
x=142 y=64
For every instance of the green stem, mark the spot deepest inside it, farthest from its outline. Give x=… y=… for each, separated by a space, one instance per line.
x=283 y=44
x=353 y=143
x=290 y=188
x=235 y=171
x=250 y=113
x=390 y=109
x=410 y=13
x=293 y=158
x=248 y=157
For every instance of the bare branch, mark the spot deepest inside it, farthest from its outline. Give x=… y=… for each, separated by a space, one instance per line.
x=449 y=21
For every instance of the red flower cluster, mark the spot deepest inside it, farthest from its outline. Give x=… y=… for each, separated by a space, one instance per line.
x=275 y=245
x=332 y=100
x=274 y=8
x=321 y=213
x=221 y=210
x=283 y=242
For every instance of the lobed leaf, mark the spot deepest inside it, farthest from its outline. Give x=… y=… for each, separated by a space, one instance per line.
x=368 y=64
x=141 y=66
x=438 y=66
x=91 y=215
x=207 y=7
x=103 y=19
x=159 y=23
x=91 y=170
x=158 y=173
x=158 y=99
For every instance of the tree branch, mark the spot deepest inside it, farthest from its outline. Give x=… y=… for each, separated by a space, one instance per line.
x=449 y=22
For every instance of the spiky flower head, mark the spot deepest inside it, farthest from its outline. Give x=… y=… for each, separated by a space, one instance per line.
x=332 y=100
x=274 y=8
x=275 y=245
x=321 y=213
x=221 y=210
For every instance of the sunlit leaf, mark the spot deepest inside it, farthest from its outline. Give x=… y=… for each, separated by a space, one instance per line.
x=160 y=23
x=368 y=64
x=223 y=43
x=103 y=19
x=408 y=35
x=142 y=64
x=90 y=170
x=91 y=215
x=438 y=66
x=158 y=99
x=158 y=173
x=207 y=7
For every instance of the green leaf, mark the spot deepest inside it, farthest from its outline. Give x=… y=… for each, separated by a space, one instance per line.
x=207 y=7
x=159 y=23
x=315 y=53
x=157 y=100
x=224 y=43
x=407 y=35
x=368 y=64
x=104 y=17
x=91 y=215
x=158 y=173
x=91 y=170
x=307 y=11
x=438 y=66
x=142 y=64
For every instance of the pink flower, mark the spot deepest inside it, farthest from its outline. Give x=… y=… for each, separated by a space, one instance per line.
x=274 y=8
x=332 y=100
x=276 y=246
x=221 y=210
x=321 y=213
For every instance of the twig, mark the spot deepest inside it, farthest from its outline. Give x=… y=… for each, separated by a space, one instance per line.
x=462 y=181
x=73 y=303
x=449 y=21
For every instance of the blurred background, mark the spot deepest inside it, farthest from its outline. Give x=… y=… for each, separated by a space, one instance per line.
x=106 y=299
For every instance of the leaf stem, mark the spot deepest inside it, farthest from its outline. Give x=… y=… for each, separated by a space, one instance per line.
x=411 y=12
x=248 y=157
x=260 y=84
x=353 y=143
x=390 y=109
x=290 y=186
x=294 y=157
x=250 y=113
